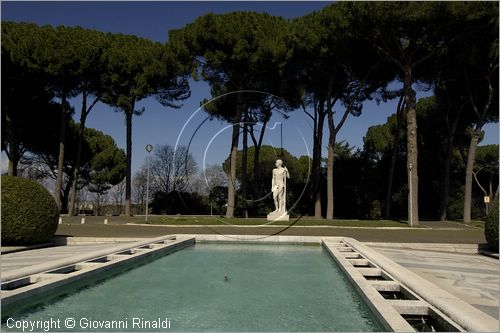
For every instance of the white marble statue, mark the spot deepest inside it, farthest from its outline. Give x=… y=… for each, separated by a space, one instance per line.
x=278 y=187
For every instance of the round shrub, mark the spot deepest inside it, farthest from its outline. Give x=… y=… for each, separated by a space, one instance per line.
x=29 y=212
x=491 y=227
x=375 y=210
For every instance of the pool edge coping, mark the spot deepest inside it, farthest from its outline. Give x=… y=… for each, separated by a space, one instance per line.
x=462 y=313
x=45 y=280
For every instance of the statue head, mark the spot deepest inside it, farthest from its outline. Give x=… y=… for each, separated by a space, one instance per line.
x=279 y=163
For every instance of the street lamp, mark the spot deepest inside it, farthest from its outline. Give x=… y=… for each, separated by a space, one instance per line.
x=149 y=148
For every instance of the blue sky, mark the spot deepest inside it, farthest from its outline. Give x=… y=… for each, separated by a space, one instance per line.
x=160 y=125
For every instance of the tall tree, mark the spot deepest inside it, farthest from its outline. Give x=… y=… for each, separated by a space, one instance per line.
x=481 y=79
x=381 y=140
x=473 y=24
x=53 y=53
x=92 y=46
x=136 y=68
x=409 y=34
x=307 y=73
x=26 y=103
x=107 y=165
x=232 y=51
x=333 y=73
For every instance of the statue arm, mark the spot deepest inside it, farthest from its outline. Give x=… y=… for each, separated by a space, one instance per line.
x=287 y=173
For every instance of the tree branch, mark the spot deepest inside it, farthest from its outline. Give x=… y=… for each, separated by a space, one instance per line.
x=342 y=121
x=469 y=92
x=479 y=184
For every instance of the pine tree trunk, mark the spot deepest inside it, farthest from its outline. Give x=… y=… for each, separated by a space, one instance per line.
x=445 y=182
x=12 y=171
x=128 y=176
x=231 y=189
x=390 y=179
x=244 y=171
x=13 y=156
x=60 y=159
x=329 y=179
x=256 y=172
x=66 y=191
x=471 y=158
x=318 y=140
x=329 y=173
x=412 y=150
x=76 y=172
x=256 y=180
x=471 y=154
x=13 y=150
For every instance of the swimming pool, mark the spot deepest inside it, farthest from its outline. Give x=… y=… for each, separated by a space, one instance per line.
x=269 y=288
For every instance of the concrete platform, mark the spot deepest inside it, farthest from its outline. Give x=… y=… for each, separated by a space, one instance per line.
x=28 y=258
x=472 y=278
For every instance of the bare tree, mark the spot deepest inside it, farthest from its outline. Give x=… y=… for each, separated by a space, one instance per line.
x=171 y=170
x=100 y=191
x=209 y=178
x=139 y=189
x=117 y=193
x=82 y=199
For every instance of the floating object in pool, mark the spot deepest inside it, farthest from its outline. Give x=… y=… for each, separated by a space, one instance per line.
x=226 y=278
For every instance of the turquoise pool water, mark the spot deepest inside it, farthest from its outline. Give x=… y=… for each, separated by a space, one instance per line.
x=269 y=288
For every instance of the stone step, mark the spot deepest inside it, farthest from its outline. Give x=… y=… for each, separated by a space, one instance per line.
x=370 y=271
x=386 y=285
x=351 y=255
x=359 y=262
x=410 y=307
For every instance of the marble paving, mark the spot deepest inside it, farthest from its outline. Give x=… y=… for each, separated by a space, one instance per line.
x=27 y=258
x=472 y=278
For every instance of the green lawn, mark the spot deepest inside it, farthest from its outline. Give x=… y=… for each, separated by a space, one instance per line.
x=252 y=221
x=477 y=224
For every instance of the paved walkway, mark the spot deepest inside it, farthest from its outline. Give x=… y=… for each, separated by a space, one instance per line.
x=472 y=278
x=32 y=257
x=406 y=235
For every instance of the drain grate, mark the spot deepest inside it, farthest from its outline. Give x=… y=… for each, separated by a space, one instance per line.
x=16 y=284
x=401 y=295
x=65 y=270
x=100 y=260
x=126 y=252
x=429 y=323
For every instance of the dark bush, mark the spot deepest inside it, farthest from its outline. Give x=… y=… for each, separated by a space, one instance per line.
x=491 y=227
x=29 y=212
x=177 y=202
x=375 y=210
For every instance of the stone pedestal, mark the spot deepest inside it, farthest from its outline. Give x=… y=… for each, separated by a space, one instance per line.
x=278 y=216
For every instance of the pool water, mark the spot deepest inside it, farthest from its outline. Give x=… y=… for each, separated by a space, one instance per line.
x=269 y=288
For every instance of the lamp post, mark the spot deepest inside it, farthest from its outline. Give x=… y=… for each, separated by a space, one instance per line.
x=149 y=148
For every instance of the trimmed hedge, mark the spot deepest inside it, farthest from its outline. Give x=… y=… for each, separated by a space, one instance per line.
x=491 y=227
x=29 y=212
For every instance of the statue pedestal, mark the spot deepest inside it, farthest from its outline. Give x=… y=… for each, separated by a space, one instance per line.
x=278 y=216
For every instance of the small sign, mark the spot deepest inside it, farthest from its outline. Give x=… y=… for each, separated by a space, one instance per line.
x=486 y=199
